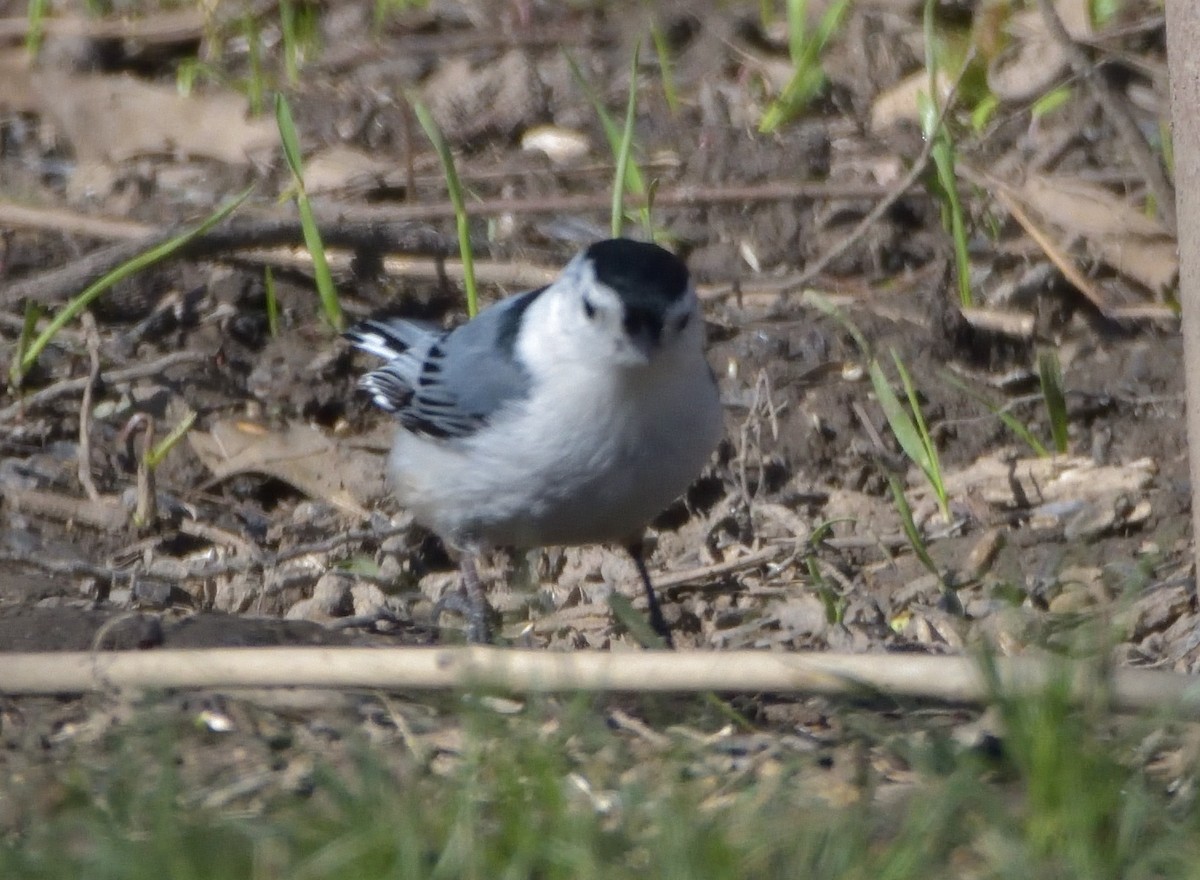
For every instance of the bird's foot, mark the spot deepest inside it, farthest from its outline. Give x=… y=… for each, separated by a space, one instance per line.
x=477 y=615
x=470 y=602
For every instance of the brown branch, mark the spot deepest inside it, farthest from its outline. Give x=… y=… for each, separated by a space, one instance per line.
x=257 y=559
x=85 y=409
x=674 y=197
x=67 y=387
x=377 y=234
x=893 y=195
x=395 y=228
x=947 y=679
x=68 y=222
x=870 y=219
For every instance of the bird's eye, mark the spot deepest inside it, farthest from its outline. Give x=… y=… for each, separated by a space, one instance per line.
x=682 y=323
x=589 y=309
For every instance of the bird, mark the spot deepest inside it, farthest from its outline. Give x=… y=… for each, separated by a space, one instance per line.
x=568 y=415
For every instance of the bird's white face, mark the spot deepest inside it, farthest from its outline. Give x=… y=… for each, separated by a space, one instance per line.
x=597 y=323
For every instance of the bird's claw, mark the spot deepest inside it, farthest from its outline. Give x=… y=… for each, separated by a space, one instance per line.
x=476 y=615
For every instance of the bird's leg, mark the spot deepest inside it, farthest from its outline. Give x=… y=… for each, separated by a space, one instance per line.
x=478 y=630
x=468 y=601
x=657 y=621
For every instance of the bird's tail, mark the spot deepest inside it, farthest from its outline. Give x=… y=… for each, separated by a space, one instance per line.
x=402 y=344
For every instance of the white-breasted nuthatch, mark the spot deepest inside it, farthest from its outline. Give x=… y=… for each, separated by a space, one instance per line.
x=568 y=415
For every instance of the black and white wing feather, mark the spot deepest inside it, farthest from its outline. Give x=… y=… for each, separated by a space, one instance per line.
x=446 y=384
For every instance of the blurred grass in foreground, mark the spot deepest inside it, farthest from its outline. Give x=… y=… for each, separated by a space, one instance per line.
x=555 y=792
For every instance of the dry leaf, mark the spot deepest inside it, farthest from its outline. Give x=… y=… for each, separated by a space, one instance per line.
x=113 y=118
x=340 y=167
x=1131 y=243
x=900 y=102
x=1034 y=62
x=801 y=616
x=502 y=97
x=1076 y=16
x=314 y=462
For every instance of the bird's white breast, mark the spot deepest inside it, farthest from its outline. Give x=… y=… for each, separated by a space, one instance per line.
x=591 y=456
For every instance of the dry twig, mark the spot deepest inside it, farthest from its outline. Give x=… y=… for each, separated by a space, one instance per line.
x=941 y=678
x=92 y=335
x=390 y=229
x=67 y=387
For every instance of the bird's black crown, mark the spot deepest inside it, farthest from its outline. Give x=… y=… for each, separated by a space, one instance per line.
x=644 y=275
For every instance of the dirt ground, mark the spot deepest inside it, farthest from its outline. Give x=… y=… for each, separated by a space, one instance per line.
x=271 y=525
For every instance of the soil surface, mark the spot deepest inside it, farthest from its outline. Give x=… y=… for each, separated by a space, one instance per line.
x=269 y=524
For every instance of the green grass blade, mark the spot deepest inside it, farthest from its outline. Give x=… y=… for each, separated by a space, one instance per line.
x=155 y=456
x=256 y=85
x=1050 y=376
x=797 y=20
x=33 y=312
x=287 y=27
x=944 y=163
x=898 y=418
x=634 y=181
x=1009 y=420
x=623 y=148
x=909 y=526
x=454 y=187
x=308 y=221
x=933 y=126
x=289 y=138
x=914 y=407
x=1051 y=101
x=35 y=30
x=823 y=304
x=933 y=466
x=929 y=32
x=665 y=71
x=120 y=273
x=808 y=78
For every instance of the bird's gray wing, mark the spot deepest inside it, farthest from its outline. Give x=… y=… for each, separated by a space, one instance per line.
x=446 y=384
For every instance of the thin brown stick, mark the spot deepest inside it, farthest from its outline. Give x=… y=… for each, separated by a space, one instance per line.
x=1116 y=109
x=1183 y=36
x=1055 y=254
x=67 y=387
x=66 y=222
x=707 y=576
x=674 y=197
x=378 y=234
x=108 y=511
x=215 y=535
x=503 y=273
x=869 y=219
x=177 y=26
x=396 y=228
x=92 y=335
x=894 y=194
x=948 y=679
x=267 y=231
